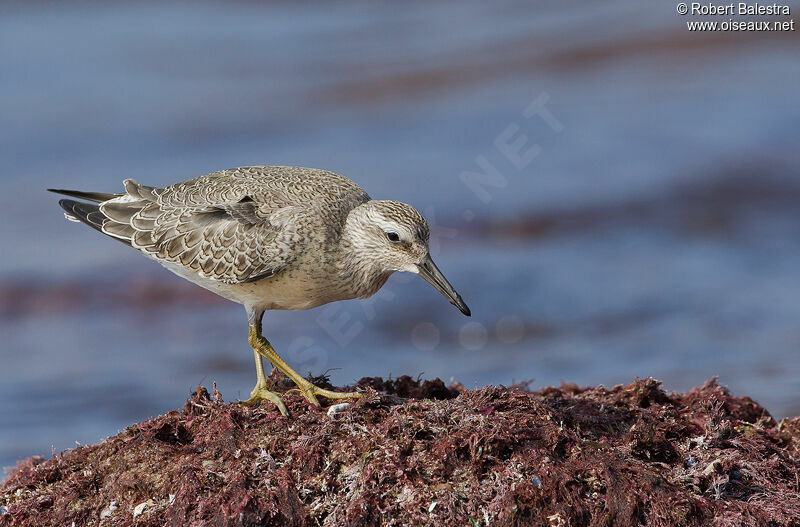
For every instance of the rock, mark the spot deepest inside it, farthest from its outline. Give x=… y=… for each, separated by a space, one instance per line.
x=412 y=453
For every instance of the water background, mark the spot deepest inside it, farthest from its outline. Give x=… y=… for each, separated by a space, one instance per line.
x=653 y=231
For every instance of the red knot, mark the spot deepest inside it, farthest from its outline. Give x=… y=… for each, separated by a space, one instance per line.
x=269 y=238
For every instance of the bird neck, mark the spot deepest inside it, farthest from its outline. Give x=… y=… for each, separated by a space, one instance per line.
x=360 y=269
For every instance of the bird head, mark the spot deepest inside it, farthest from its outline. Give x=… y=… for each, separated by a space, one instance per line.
x=389 y=236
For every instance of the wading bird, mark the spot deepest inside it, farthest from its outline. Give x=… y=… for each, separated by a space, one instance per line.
x=269 y=238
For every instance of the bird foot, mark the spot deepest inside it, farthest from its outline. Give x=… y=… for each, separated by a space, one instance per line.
x=262 y=394
x=310 y=392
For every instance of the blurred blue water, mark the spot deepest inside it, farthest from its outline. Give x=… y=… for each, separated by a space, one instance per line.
x=655 y=234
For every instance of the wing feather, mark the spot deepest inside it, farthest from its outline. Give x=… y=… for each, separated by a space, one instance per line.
x=234 y=226
x=229 y=242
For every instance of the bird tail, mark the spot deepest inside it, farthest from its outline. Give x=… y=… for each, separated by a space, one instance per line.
x=90 y=214
x=87 y=213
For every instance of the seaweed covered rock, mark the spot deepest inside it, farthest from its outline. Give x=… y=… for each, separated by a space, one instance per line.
x=411 y=453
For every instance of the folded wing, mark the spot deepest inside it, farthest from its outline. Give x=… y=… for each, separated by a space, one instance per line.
x=228 y=237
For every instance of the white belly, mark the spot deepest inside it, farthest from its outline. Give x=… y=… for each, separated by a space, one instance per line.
x=276 y=292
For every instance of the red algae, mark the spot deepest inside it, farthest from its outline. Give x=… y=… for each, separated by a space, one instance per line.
x=422 y=453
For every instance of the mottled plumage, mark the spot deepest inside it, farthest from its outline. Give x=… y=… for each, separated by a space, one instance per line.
x=268 y=238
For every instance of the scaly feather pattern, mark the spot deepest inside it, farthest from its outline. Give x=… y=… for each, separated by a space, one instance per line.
x=234 y=226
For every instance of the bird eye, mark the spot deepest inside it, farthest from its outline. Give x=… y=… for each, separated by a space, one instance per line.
x=393 y=236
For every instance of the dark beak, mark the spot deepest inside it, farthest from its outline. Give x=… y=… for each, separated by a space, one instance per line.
x=432 y=274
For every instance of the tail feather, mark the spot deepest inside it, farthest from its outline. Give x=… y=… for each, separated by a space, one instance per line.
x=87 y=213
x=97 y=197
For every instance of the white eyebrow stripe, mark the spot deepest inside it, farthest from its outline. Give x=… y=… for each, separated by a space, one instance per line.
x=401 y=230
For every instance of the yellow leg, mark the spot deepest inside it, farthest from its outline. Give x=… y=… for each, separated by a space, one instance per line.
x=264 y=348
x=260 y=392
